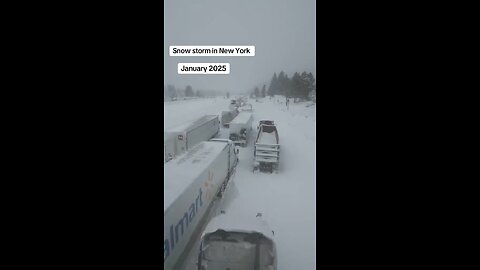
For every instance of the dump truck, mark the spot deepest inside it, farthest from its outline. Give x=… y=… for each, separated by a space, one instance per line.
x=267 y=147
x=192 y=182
x=237 y=242
x=228 y=116
x=183 y=137
x=240 y=128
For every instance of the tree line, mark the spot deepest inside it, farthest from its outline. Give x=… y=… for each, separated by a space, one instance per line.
x=170 y=92
x=300 y=86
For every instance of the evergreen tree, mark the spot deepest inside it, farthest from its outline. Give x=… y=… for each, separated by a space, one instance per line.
x=310 y=83
x=264 y=91
x=273 y=85
x=304 y=88
x=281 y=83
x=296 y=85
x=189 y=91
x=171 y=92
x=257 y=92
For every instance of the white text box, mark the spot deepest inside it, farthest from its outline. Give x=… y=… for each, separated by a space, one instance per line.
x=212 y=50
x=203 y=68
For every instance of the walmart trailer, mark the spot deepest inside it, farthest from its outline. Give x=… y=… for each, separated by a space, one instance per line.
x=183 y=137
x=192 y=182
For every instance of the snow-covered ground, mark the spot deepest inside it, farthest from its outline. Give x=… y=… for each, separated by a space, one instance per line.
x=287 y=198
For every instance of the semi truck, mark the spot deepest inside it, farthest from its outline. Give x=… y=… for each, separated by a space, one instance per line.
x=240 y=128
x=247 y=108
x=192 y=182
x=228 y=116
x=237 y=242
x=184 y=137
x=267 y=147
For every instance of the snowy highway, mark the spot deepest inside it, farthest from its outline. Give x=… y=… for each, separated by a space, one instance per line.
x=287 y=198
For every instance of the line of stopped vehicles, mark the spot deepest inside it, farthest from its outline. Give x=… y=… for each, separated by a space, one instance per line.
x=197 y=170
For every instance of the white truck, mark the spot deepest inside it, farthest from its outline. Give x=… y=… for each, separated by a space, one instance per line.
x=237 y=242
x=246 y=108
x=266 y=151
x=184 y=137
x=234 y=104
x=228 y=116
x=192 y=182
x=240 y=128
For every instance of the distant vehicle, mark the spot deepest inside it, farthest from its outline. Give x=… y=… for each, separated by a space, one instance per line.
x=191 y=184
x=183 y=137
x=247 y=108
x=233 y=242
x=228 y=116
x=174 y=99
x=233 y=105
x=266 y=151
x=240 y=128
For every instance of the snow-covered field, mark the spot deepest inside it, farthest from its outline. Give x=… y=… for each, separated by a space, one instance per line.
x=287 y=198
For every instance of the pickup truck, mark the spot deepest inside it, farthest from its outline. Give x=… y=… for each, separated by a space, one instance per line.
x=267 y=148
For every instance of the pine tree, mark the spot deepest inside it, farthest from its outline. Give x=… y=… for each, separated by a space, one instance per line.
x=257 y=92
x=296 y=85
x=281 y=83
x=171 y=92
x=264 y=91
x=273 y=85
x=189 y=91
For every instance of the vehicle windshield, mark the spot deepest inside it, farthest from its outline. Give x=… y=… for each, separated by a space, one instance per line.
x=238 y=250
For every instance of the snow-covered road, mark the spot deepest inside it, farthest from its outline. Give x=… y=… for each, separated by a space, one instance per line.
x=287 y=198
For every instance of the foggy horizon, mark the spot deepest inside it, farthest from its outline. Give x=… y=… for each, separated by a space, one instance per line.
x=282 y=31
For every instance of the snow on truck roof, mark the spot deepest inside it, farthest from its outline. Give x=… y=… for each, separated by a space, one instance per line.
x=182 y=171
x=241 y=118
x=239 y=223
x=192 y=125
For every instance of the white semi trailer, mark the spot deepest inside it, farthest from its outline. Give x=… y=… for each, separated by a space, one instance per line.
x=184 y=137
x=240 y=128
x=192 y=182
x=228 y=116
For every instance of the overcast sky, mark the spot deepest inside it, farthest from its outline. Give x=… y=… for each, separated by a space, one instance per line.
x=282 y=31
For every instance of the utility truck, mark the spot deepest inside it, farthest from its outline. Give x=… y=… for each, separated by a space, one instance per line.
x=237 y=242
x=183 y=137
x=192 y=182
x=267 y=147
x=240 y=128
x=228 y=116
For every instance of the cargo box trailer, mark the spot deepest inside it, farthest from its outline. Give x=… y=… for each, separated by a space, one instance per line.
x=183 y=137
x=240 y=128
x=192 y=182
x=228 y=116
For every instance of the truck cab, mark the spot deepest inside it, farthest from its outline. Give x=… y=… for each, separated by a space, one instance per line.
x=237 y=244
